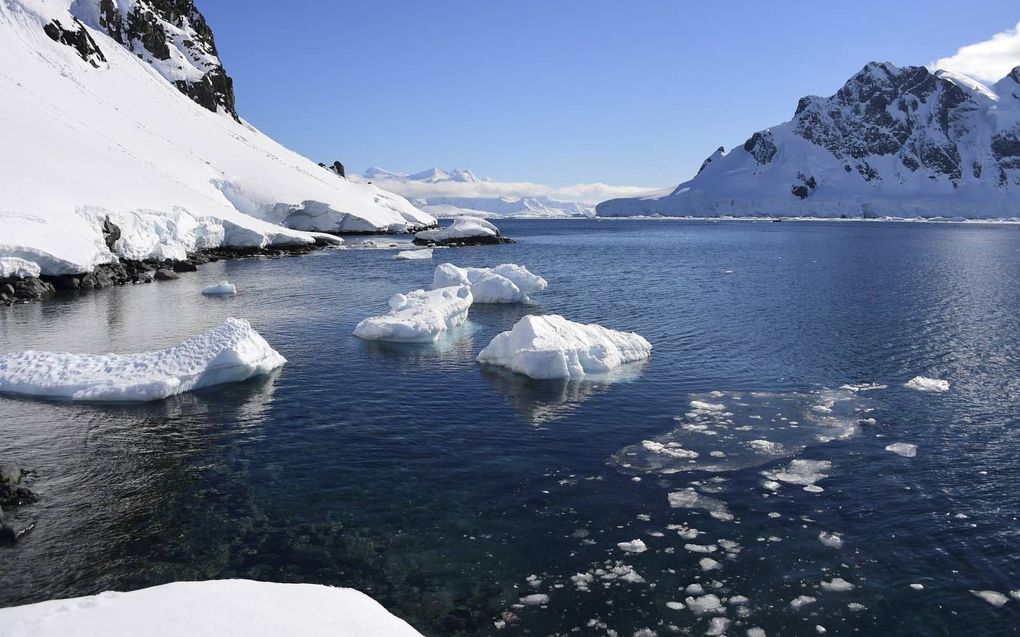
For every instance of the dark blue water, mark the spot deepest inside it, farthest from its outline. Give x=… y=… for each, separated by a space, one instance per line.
x=439 y=487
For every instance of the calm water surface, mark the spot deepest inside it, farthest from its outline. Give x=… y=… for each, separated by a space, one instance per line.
x=440 y=488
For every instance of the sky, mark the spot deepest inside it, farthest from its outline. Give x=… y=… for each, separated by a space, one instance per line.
x=569 y=91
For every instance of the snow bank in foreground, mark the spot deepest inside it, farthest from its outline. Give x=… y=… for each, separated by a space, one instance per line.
x=220 y=289
x=920 y=383
x=506 y=283
x=230 y=353
x=198 y=609
x=15 y=268
x=419 y=316
x=461 y=228
x=414 y=255
x=553 y=347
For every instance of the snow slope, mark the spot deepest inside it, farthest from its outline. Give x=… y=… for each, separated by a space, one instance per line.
x=209 y=608
x=892 y=142
x=230 y=353
x=94 y=130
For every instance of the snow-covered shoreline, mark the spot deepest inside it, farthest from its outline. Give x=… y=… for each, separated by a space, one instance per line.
x=214 y=607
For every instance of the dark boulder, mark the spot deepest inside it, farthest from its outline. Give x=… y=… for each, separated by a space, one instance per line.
x=163 y=274
x=111 y=232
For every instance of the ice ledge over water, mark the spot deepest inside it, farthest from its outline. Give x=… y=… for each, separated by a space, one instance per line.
x=210 y=608
x=545 y=347
x=230 y=353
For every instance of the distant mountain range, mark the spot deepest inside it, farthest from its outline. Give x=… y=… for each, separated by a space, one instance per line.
x=891 y=142
x=449 y=193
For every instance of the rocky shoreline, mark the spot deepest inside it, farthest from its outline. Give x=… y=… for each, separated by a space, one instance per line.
x=13 y=493
x=129 y=272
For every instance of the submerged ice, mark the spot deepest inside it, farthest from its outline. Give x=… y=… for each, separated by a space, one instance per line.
x=230 y=353
x=728 y=431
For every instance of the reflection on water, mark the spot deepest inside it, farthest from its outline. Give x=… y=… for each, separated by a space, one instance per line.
x=543 y=401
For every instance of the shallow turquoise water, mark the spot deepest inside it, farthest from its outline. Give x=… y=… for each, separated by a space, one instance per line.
x=439 y=487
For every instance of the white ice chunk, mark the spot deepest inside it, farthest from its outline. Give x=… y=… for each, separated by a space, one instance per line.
x=222 y=607
x=462 y=228
x=708 y=564
x=418 y=317
x=837 y=585
x=223 y=288
x=506 y=283
x=709 y=603
x=230 y=353
x=995 y=598
x=535 y=599
x=801 y=601
x=831 y=540
x=634 y=546
x=17 y=268
x=550 y=346
x=904 y=449
x=414 y=255
x=920 y=383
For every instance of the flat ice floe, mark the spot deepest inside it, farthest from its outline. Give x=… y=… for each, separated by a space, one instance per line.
x=550 y=346
x=728 y=431
x=222 y=607
x=904 y=449
x=934 y=385
x=506 y=283
x=995 y=598
x=414 y=255
x=230 y=353
x=418 y=317
x=223 y=288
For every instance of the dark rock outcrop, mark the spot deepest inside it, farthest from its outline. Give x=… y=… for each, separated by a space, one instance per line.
x=77 y=37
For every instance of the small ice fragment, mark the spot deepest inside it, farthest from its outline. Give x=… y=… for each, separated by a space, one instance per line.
x=695 y=589
x=718 y=626
x=994 y=598
x=756 y=632
x=535 y=599
x=708 y=564
x=904 y=449
x=831 y=540
x=917 y=587
x=701 y=548
x=837 y=585
x=634 y=546
x=920 y=383
x=675 y=605
x=801 y=601
x=414 y=255
x=709 y=603
x=223 y=288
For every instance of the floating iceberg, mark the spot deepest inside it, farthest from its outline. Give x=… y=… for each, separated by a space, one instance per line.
x=920 y=383
x=550 y=346
x=463 y=230
x=223 y=288
x=904 y=449
x=418 y=317
x=16 y=268
x=414 y=255
x=506 y=283
x=230 y=353
x=223 y=607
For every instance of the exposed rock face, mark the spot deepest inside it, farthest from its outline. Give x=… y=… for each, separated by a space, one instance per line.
x=892 y=141
x=77 y=37
x=174 y=36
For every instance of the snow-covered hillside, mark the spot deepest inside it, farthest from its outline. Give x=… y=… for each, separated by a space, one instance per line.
x=120 y=109
x=892 y=142
x=456 y=193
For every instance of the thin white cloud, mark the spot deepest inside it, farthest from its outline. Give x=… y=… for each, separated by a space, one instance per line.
x=581 y=193
x=990 y=60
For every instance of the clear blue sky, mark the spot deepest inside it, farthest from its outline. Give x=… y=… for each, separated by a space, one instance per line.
x=560 y=91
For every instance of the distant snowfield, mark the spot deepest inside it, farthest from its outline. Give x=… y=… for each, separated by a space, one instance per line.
x=120 y=141
x=223 y=607
x=457 y=193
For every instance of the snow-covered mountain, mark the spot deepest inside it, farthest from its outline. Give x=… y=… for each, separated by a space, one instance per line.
x=121 y=110
x=891 y=142
x=454 y=193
